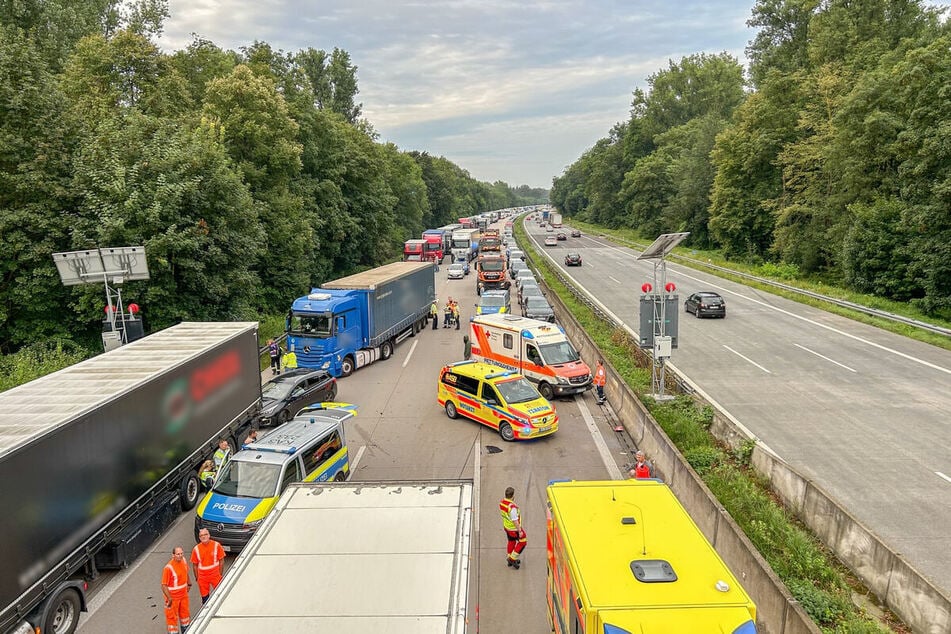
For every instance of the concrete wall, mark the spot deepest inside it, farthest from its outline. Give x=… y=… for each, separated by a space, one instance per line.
x=894 y=581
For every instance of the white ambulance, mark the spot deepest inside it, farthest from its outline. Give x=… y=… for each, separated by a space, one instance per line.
x=538 y=350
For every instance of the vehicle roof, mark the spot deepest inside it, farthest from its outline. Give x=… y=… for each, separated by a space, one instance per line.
x=709 y=293
x=369 y=280
x=295 y=374
x=34 y=409
x=482 y=370
x=538 y=329
x=457 y=264
x=285 y=441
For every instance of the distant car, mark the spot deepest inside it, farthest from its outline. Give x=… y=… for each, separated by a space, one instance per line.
x=287 y=393
x=562 y=235
x=456 y=271
x=528 y=289
x=516 y=254
x=576 y=233
x=706 y=303
x=549 y=228
x=550 y=241
x=524 y=274
x=538 y=308
x=573 y=259
x=515 y=267
x=464 y=262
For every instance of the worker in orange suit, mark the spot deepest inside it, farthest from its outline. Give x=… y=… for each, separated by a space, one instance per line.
x=175 y=585
x=208 y=562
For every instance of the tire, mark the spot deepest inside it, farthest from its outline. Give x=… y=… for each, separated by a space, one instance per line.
x=386 y=350
x=283 y=417
x=346 y=368
x=63 y=614
x=506 y=432
x=546 y=390
x=696 y=313
x=451 y=410
x=333 y=393
x=340 y=477
x=188 y=491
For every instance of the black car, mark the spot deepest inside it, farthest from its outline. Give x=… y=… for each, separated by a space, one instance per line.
x=576 y=233
x=706 y=303
x=284 y=395
x=562 y=235
x=573 y=259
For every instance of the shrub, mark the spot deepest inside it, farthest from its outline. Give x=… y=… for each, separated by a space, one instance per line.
x=824 y=607
x=702 y=459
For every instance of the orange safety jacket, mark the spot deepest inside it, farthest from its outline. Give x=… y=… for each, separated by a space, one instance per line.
x=208 y=557
x=599 y=376
x=175 y=578
x=505 y=508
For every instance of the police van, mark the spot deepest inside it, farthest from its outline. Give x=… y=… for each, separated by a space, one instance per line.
x=310 y=448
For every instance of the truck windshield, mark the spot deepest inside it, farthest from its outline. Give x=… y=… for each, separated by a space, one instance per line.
x=314 y=325
x=517 y=391
x=460 y=244
x=433 y=246
x=248 y=479
x=555 y=353
x=492 y=265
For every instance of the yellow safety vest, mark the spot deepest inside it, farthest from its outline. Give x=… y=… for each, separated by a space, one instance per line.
x=505 y=508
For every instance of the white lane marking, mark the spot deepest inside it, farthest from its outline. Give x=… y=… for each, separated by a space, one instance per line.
x=476 y=484
x=943 y=476
x=411 y=351
x=356 y=460
x=824 y=357
x=747 y=359
x=614 y=280
x=602 y=446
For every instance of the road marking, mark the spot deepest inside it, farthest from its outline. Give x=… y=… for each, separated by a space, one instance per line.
x=824 y=357
x=747 y=359
x=943 y=476
x=476 y=484
x=614 y=280
x=356 y=461
x=411 y=351
x=602 y=446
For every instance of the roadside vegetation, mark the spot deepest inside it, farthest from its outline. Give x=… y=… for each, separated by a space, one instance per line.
x=812 y=574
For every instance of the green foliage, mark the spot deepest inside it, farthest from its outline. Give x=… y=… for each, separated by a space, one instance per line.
x=780 y=271
x=824 y=607
x=703 y=458
x=38 y=359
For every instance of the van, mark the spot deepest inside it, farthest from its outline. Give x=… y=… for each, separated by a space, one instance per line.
x=310 y=448
x=494 y=301
x=500 y=399
x=536 y=349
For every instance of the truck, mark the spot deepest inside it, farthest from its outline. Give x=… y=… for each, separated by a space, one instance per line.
x=490 y=241
x=447 y=237
x=490 y=270
x=99 y=458
x=352 y=557
x=435 y=249
x=348 y=323
x=554 y=219
x=545 y=213
x=465 y=244
x=414 y=250
x=625 y=557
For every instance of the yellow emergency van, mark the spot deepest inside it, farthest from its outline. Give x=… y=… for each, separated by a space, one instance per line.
x=500 y=399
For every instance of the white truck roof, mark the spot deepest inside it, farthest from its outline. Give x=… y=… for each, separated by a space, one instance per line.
x=374 y=278
x=352 y=558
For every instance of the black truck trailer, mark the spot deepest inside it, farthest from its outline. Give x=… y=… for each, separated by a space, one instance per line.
x=99 y=458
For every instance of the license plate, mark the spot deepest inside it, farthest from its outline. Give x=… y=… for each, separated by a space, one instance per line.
x=227 y=549
x=542 y=430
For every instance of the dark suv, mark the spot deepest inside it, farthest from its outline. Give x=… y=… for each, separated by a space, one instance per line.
x=284 y=395
x=573 y=259
x=706 y=303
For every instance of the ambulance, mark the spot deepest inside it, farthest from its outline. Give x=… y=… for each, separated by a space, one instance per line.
x=538 y=350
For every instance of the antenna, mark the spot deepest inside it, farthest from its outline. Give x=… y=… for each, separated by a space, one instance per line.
x=630 y=520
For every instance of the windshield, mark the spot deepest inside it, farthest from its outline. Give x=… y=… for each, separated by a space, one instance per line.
x=517 y=391
x=493 y=300
x=556 y=353
x=314 y=325
x=248 y=479
x=433 y=246
x=276 y=390
x=492 y=265
x=460 y=244
x=537 y=302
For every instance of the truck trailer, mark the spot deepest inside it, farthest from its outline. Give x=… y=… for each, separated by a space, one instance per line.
x=352 y=557
x=351 y=322
x=465 y=243
x=555 y=220
x=99 y=458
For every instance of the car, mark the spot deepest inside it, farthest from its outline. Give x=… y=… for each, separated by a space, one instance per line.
x=501 y=399
x=706 y=303
x=464 y=262
x=576 y=233
x=494 y=301
x=287 y=393
x=538 y=308
x=549 y=228
x=561 y=235
x=528 y=289
x=515 y=267
x=456 y=271
x=524 y=274
x=516 y=254
x=573 y=259
x=550 y=241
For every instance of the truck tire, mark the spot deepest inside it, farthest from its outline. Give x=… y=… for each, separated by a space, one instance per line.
x=451 y=410
x=545 y=390
x=506 y=432
x=62 y=617
x=188 y=491
x=347 y=367
x=386 y=350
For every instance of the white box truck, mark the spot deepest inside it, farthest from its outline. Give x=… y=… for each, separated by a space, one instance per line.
x=351 y=558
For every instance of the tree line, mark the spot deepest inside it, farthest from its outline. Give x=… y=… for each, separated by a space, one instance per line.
x=247 y=175
x=832 y=157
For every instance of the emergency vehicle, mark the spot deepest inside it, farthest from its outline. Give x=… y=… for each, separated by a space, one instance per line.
x=536 y=349
x=624 y=557
x=499 y=399
x=312 y=447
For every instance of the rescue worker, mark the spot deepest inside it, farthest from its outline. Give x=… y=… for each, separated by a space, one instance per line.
x=434 y=313
x=289 y=360
x=252 y=437
x=512 y=524
x=447 y=314
x=455 y=314
x=175 y=585
x=599 y=379
x=208 y=562
x=641 y=470
x=206 y=474
x=221 y=454
x=274 y=351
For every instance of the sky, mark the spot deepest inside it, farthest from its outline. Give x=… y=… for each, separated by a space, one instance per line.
x=507 y=90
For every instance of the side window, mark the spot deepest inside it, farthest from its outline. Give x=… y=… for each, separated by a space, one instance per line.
x=489 y=393
x=467 y=384
x=531 y=353
x=291 y=474
x=298 y=391
x=321 y=452
x=507 y=341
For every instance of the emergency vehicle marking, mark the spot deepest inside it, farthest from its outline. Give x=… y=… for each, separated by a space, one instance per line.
x=531 y=430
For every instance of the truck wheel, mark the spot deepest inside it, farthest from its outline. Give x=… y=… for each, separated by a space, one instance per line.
x=545 y=390
x=63 y=615
x=386 y=350
x=346 y=368
x=506 y=432
x=188 y=492
x=451 y=410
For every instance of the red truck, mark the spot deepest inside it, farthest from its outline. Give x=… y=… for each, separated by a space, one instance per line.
x=434 y=247
x=490 y=269
x=414 y=250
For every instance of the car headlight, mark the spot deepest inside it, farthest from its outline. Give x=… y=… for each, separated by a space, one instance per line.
x=563 y=380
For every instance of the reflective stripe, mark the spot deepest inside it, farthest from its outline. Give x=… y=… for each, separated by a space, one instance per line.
x=196 y=551
x=175 y=579
x=505 y=508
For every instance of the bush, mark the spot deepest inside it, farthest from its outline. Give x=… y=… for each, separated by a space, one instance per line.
x=824 y=607
x=702 y=459
x=37 y=360
x=780 y=271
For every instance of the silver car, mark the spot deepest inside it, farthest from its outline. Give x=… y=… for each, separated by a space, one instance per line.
x=538 y=308
x=456 y=271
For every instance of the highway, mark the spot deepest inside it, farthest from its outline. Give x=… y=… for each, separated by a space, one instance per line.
x=864 y=413
x=401 y=432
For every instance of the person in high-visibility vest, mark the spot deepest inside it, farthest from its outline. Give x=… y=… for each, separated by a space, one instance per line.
x=599 y=379
x=221 y=454
x=434 y=313
x=208 y=562
x=175 y=585
x=289 y=360
x=207 y=473
x=512 y=524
